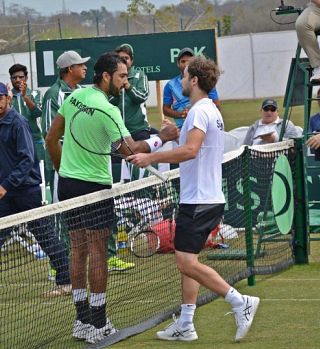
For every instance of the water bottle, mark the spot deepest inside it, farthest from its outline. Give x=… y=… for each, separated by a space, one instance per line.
x=122 y=242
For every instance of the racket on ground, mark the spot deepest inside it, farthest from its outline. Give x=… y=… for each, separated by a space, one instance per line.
x=145 y=243
x=97 y=132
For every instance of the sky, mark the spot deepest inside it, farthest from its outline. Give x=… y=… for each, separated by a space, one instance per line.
x=52 y=7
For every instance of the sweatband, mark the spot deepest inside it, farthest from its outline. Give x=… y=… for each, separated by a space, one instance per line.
x=154 y=143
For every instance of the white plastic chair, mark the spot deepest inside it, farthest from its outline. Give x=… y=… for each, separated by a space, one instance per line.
x=231 y=142
x=240 y=133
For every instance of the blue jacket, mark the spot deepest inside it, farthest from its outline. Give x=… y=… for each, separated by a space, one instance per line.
x=19 y=167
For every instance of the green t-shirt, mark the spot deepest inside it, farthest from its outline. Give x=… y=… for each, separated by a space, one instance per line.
x=76 y=162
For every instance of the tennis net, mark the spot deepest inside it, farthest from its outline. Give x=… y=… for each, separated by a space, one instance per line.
x=247 y=243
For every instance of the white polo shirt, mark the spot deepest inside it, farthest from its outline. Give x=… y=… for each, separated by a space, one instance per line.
x=201 y=178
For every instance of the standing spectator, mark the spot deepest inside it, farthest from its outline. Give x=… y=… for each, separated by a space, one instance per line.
x=27 y=102
x=201 y=208
x=132 y=99
x=175 y=104
x=267 y=129
x=132 y=105
x=81 y=172
x=72 y=70
x=306 y=26
x=20 y=187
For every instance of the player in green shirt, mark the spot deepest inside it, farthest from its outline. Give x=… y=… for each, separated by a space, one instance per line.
x=81 y=173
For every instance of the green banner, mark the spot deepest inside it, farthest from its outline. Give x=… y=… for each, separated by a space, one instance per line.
x=155 y=54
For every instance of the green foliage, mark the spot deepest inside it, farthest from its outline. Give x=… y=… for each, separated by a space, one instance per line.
x=226 y=25
x=140 y=7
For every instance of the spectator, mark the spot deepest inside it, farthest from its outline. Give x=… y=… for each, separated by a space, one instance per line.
x=175 y=104
x=131 y=103
x=314 y=141
x=72 y=70
x=314 y=125
x=306 y=26
x=20 y=191
x=27 y=102
x=267 y=129
x=132 y=99
x=81 y=172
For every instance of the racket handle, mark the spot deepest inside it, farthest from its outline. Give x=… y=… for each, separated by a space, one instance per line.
x=156 y=173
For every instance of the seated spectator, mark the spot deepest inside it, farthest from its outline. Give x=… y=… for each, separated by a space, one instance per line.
x=314 y=125
x=307 y=24
x=268 y=128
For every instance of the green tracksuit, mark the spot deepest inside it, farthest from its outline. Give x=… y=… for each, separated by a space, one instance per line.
x=21 y=107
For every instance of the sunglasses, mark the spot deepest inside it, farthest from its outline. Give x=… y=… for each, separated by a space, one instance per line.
x=273 y=109
x=16 y=77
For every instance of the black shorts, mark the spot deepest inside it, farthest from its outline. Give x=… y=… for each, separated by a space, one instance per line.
x=194 y=224
x=95 y=216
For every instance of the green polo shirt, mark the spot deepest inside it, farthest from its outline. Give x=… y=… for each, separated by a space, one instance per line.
x=77 y=162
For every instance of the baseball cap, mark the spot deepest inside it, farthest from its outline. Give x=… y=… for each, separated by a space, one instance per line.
x=269 y=102
x=185 y=51
x=3 y=89
x=126 y=48
x=69 y=58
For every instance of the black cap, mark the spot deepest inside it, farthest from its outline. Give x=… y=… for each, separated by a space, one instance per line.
x=269 y=102
x=185 y=51
x=3 y=89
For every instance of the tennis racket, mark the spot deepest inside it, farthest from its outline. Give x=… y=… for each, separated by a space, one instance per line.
x=89 y=129
x=145 y=243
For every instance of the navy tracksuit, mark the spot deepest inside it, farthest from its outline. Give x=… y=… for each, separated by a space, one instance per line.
x=20 y=177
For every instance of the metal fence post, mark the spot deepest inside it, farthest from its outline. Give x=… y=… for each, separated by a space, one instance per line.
x=248 y=215
x=30 y=57
x=300 y=217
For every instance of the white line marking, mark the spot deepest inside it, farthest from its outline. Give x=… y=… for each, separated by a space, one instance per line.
x=275 y=279
x=291 y=299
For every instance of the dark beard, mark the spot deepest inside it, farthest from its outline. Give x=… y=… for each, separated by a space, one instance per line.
x=113 y=90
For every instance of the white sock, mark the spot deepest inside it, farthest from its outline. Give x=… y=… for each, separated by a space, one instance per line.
x=234 y=298
x=187 y=313
x=79 y=295
x=97 y=299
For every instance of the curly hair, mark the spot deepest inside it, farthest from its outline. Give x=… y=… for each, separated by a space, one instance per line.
x=206 y=70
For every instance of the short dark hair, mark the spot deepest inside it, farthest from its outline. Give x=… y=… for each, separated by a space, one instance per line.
x=125 y=48
x=63 y=72
x=18 y=67
x=206 y=71
x=108 y=62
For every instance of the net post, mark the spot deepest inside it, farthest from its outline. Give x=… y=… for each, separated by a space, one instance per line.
x=301 y=225
x=248 y=215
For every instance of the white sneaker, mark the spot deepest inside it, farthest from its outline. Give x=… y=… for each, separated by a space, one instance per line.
x=80 y=330
x=175 y=333
x=244 y=316
x=95 y=335
x=315 y=74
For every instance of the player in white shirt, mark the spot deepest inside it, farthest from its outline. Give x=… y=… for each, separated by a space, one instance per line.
x=200 y=154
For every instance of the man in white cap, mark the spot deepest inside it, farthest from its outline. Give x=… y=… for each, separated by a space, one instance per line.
x=72 y=70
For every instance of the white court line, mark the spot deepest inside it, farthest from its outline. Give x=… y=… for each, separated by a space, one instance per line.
x=275 y=279
x=290 y=299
